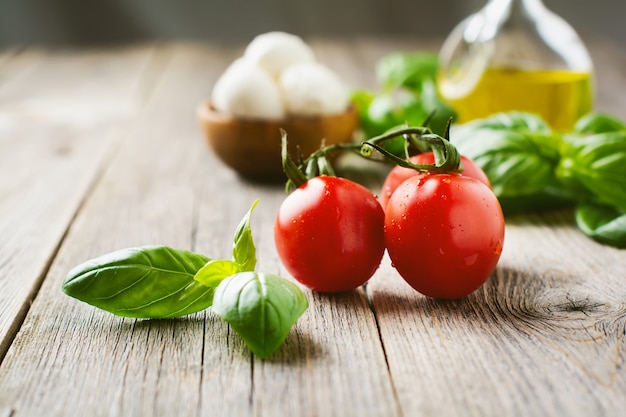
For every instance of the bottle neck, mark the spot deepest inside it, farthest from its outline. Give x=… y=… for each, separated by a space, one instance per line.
x=531 y=34
x=514 y=9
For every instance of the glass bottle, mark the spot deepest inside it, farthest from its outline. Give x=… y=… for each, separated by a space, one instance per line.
x=516 y=55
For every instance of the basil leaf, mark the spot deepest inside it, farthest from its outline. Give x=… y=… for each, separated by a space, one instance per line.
x=409 y=95
x=260 y=307
x=361 y=99
x=604 y=224
x=406 y=69
x=143 y=282
x=215 y=271
x=244 y=251
x=594 y=167
x=517 y=121
x=519 y=153
x=388 y=110
x=443 y=113
x=599 y=123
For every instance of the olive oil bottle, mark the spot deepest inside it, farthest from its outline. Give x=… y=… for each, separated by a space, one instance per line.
x=516 y=55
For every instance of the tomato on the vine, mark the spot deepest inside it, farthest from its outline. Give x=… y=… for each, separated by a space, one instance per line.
x=444 y=233
x=329 y=234
x=398 y=174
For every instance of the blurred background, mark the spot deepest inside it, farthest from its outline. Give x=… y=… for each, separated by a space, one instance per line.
x=84 y=22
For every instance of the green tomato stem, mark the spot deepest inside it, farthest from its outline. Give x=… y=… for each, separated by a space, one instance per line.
x=417 y=140
x=447 y=157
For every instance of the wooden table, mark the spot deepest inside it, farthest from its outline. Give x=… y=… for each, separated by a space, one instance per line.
x=100 y=150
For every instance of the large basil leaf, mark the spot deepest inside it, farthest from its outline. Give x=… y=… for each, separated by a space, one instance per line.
x=260 y=307
x=519 y=153
x=604 y=224
x=143 y=282
x=594 y=167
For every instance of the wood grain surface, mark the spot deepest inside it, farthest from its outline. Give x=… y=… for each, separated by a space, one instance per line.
x=100 y=150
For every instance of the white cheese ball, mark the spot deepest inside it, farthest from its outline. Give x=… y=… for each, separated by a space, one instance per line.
x=245 y=90
x=312 y=89
x=275 y=51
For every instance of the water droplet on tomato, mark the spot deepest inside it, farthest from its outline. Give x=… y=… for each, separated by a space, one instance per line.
x=446 y=180
x=471 y=260
x=498 y=249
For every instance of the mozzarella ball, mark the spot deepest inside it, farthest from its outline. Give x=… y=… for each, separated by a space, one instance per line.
x=275 y=51
x=311 y=89
x=245 y=90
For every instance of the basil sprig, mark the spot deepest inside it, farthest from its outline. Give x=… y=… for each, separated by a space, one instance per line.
x=533 y=168
x=158 y=282
x=408 y=94
x=519 y=153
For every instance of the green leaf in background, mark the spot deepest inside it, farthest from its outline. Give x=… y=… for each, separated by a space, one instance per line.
x=604 y=224
x=519 y=153
x=409 y=95
x=443 y=112
x=143 y=282
x=599 y=123
x=406 y=69
x=244 y=251
x=594 y=167
x=261 y=308
x=384 y=111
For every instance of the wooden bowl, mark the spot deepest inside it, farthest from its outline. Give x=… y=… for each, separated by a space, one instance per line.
x=252 y=147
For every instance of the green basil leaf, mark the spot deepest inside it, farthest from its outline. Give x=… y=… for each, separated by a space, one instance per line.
x=244 y=251
x=215 y=271
x=599 y=123
x=443 y=113
x=361 y=99
x=519 y=153
x=389 y=110
x=143 y=282
x=260 y=307
x=604 y=224
x=594 y=167
x=406 y=69
x=514 y=121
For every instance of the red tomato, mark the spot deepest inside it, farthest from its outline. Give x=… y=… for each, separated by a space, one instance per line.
x=329 y=234
x=398 y=174
x=444 y=233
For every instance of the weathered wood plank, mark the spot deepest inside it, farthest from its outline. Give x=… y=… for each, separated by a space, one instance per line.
x=544 y=336
x=145 y=197
x=55 y=134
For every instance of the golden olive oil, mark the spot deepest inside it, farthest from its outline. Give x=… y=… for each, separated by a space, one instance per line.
x=559 y=97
